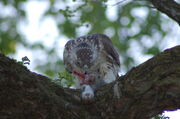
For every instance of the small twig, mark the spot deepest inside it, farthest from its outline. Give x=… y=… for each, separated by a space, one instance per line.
x=119 y=2
x=150 y=6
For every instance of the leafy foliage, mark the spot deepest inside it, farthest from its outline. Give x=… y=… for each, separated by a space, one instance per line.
x=128 y=25
x=161 y=117
x=11 y=13
x=65 y=79
x=25 y=60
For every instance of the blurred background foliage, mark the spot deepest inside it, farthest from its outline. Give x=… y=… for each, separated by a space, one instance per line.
x=138 y=30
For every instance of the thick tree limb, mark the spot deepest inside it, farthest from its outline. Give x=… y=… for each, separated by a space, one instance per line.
x=169 y=7
x=143 y=92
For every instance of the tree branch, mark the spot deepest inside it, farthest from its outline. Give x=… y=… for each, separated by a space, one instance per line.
x=143 y=92
x=169 y=7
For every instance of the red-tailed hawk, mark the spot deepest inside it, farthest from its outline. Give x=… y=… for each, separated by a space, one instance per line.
x=93 y=61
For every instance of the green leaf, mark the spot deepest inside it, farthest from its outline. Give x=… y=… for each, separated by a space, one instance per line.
x=65 y=79
x=153 y=50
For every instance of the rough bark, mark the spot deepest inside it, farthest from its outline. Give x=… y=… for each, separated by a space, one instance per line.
x=169 y=7
x=145 y=91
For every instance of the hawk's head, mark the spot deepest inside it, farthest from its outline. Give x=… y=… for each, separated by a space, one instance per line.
x=83 y=50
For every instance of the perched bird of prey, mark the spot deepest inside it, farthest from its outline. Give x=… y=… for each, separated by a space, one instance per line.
x=93 y=61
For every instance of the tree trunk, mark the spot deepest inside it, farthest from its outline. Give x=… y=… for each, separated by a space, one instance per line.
x=169 y=7
x=145 y=91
